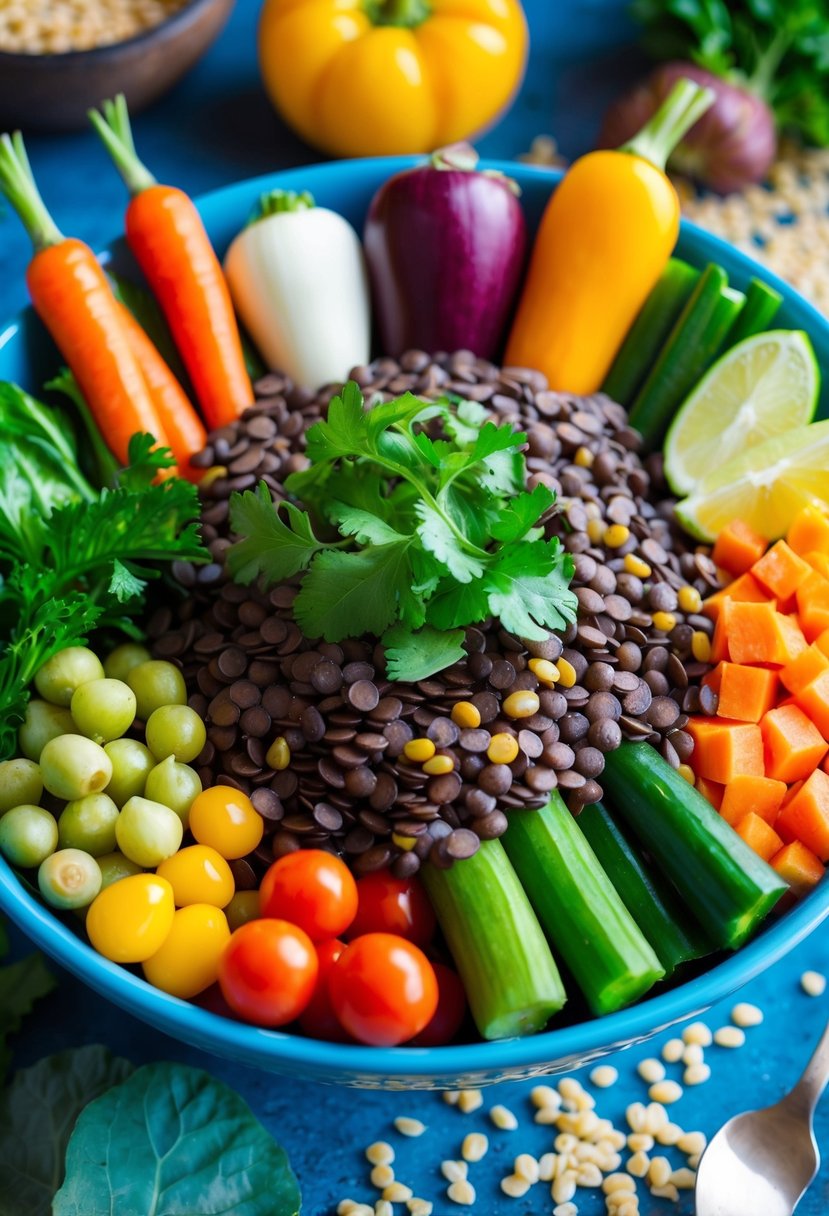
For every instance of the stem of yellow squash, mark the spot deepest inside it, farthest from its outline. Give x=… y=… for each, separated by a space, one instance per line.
x=684 y=105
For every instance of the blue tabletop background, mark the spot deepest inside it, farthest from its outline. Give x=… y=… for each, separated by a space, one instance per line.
x=215 y=127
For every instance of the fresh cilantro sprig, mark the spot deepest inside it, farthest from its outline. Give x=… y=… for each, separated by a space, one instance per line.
x=406 y=536
x=87 y=566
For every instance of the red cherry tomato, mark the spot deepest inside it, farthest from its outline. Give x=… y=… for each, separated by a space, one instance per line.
x=268 y=972
x=312 y=889
x=450 y=1013
x=318 y=1019
x=383 y=989
x=393 y=905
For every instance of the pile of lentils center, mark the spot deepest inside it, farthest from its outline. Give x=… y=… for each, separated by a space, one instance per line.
x=317 y=735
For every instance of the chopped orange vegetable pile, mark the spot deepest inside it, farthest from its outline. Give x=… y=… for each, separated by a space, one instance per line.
x=763 y=760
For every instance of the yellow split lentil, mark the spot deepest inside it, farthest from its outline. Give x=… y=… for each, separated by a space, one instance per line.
x=419 y=750
x=466 y=715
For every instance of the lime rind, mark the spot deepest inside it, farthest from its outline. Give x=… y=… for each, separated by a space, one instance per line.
x=765 y=485
x=765 y=386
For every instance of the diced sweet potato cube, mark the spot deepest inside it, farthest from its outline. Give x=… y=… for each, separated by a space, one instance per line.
x=813 y=605
x=814 y=701
x=809 y=530
x=738 y=547
x=799 y=866
x=806 y=816
x=759 y=835
x=806 y=667
x=746 y=693
x=794 y=745
x=780 y=570
x=746 y=589
x=819 y=562
x=758 y=633
x=711 y=791
x=762 y=795
x=724 y=749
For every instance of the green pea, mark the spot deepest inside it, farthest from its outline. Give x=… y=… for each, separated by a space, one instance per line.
x=20 y=781
x=131 y=763
x=156 y=683
x=89 y=824
x=147 y=832
x=175 y=730
x=115 y=866
x=175 y=785
x=73 y=766
x=69 y=878
x=103 y=709
x=42 y=723
x=123 y=658
x=28 y=835
x=67 y=670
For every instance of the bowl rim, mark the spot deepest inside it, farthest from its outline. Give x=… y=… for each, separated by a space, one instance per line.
x=182 y=17
x=565 y=1045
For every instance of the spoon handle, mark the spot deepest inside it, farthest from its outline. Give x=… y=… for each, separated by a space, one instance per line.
x=815 y=1075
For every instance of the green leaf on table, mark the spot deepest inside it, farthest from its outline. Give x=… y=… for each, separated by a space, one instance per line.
x=21 y=985
x=172 y=1141
x=273 y=547
x=528 y=589
x=416 y=656
x=37 y=1114
x=344 y=595
x=438 y=538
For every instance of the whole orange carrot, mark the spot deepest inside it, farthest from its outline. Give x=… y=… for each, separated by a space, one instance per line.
x=71 y=295
x=167 y=236
x=185 y=430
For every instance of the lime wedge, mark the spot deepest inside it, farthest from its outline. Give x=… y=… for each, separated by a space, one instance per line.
x=765 y=486
x=764 y=386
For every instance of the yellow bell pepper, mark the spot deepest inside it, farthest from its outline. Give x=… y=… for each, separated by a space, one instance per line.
x=374 y=77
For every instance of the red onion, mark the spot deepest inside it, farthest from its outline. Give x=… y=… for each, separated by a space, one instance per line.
x=730 y=147
x=445 y=247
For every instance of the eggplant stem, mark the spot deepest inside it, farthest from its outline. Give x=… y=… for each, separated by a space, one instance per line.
x=684 y=105
x=18 y=184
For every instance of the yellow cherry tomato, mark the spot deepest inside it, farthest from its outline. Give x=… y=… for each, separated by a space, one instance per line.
x=374 y=77
x=188 y=960
x=129 y=921
x=198 y=875
x=227 y=821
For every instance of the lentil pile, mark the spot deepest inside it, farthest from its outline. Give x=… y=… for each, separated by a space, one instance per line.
x=49 y=27
x=336 y=756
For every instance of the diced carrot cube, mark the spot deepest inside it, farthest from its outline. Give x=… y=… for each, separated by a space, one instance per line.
x=746 y=693
x=745 y=588
x=762 y=795
x=780 y=570
x=822 y=642
x=713 y=678
x=711 y=791
x=794 y=746
x=806 y=667
x=813 y=605
x=759 y=835
x=809 y=530
x=738 y=547
x=799 y=866
x=758 y=633
x=719 y=640
x=723 y=749
x=819 y=562
x=814 y=701
x=806 y=816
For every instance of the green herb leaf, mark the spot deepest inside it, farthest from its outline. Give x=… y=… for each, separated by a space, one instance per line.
x=272 y=548
x=458 y=604
x=340 y=588
x=21 y=985
x=530 y=604
x=343 y=431
x=364 y=526
x=416 y=656
x=37 y=1114
x=123 y=584
x=522 y=513
x=171 y=1139
x=437 y=538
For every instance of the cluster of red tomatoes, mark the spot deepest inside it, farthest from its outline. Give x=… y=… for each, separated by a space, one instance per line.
x=342 y=958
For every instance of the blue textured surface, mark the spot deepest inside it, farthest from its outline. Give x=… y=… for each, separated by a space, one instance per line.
x=215 y=128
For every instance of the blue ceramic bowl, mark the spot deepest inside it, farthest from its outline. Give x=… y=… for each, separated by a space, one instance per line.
x=27 y=356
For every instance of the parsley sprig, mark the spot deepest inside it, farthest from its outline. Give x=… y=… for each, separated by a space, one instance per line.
x=408 y=537
x=82 y=564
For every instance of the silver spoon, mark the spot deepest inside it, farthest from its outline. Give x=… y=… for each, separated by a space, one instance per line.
x=763 y=1161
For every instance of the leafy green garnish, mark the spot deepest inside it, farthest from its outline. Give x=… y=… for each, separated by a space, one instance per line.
x=173 y=1139
x=436 y=532
x=82 y=563
x=37 y=1114
x=777 y=48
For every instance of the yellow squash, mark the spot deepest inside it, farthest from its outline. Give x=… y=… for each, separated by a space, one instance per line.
x=375 y=77
x=603 y=242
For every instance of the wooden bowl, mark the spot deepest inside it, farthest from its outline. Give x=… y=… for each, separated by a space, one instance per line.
x=54 y=92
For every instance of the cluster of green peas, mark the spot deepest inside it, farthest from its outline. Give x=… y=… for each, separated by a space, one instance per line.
x=125 y=803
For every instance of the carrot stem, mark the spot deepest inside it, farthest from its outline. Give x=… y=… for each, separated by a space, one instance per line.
x=18 y=184
x=686 y=102
x=115 y=130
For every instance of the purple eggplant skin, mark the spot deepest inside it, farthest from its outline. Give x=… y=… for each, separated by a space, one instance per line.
x=732 y=146
x=445 y=249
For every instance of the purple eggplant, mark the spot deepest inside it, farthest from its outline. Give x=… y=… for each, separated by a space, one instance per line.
x=445 y=245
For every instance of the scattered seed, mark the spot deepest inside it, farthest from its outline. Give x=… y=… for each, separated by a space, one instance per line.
x=684 y=1179
x=383 y=1208
x=693 y=1054
x=636 y=1115
x=346 y=1206
x=729 y=1036
x=474 y=1146
x=638 y=1165
x=451 y=1096
x=397 y=1192
x=640 y=1142
x=526 y=1166
x=454 y=1171
x=419 y=1207
x=462 y=1193
x=470 y=1100
x=696 y=1074
x=651 y=1070
x=564 y=1188
x=503 y=1118
x=382 y=1176
x=669 y=1134
x=697 y=1032
x=614 y=1183
x=604 y=1076
x=514 y=1186
x=813 y=983
x=668 y=1191
x=672 y=1051
x=565 y=1209
x=745 y=1015
x=659 y=1171
x=409 y=1127
x=380 y=1153
x=589 y=1175
x=546 y=1167
x=665 y=1092
x=692 y=1143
